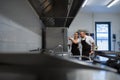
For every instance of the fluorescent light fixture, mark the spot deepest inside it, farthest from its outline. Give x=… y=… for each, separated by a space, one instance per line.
x=85 y=2
x=111 y=3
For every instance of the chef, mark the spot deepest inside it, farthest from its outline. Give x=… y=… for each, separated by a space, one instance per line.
x=87 y=43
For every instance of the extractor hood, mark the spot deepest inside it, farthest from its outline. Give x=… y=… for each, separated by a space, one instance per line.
x=56 y=13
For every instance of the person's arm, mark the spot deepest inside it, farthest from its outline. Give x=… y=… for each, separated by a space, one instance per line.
x=74 y=41
x=92 y=48
x=92 y=45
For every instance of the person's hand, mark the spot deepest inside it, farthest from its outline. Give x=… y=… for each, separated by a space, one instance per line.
x=69 y=38
x=91 y=52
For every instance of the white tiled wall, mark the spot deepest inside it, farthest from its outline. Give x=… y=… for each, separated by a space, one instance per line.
x=20 y=27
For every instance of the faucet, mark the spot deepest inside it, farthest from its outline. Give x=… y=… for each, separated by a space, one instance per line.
x=58 y=47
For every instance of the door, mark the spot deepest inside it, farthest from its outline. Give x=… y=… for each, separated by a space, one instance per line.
x=103 y=39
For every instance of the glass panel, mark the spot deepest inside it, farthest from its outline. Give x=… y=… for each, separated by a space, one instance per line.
x=102 y=36
x=102 y=28
x=102 y=44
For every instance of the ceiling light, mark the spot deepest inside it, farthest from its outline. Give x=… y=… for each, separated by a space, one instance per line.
x=85 y=2
x=111 y=3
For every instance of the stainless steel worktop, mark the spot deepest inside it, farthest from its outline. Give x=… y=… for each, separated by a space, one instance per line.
x=46 y=67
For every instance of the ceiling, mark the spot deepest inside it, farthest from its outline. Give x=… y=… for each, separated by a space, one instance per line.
x=100 y=6
x=56 y=13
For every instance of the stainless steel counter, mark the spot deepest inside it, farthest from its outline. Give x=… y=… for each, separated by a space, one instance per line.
x=46 y=67
x=29 y=73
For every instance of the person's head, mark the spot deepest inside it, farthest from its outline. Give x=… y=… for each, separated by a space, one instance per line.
x=76 y=35
x=82 y=34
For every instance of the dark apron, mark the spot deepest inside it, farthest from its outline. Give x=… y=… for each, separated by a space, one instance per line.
x=86 y=48
x=75 y=49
